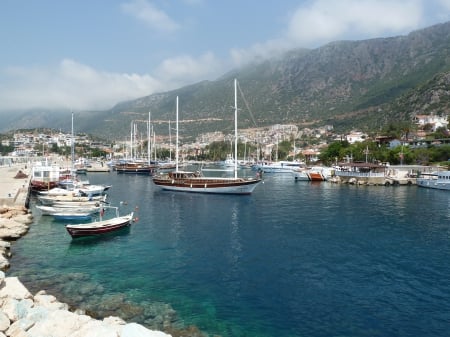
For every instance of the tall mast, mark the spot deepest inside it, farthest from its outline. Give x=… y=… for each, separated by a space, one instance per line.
x=154 y=144
x=176 y=147
x=235 y=128
x=148 y=139
x=170 y=144
x=131 y=140
x=72 y=145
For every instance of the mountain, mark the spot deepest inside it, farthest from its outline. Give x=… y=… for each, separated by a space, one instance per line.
x=349 y=84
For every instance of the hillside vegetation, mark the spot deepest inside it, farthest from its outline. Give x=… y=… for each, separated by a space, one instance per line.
x=348 y=84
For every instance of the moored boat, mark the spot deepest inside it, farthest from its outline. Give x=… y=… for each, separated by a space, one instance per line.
x=52 y=200
x=319 y=173
x=282 y=166
x=194 y=182
x=51 y=210
x=100 y=227
x=75 y=216
x=184 y=181
x=300 y=174
x=439 y=180
x=136 y=168
x=44 y=176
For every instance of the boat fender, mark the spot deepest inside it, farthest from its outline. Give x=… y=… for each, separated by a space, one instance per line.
x=191 y=185
x=205 y=185
x=173 y=181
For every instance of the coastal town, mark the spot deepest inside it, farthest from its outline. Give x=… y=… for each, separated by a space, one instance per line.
x=305 y=143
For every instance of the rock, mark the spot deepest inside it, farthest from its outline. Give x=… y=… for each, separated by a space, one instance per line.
x=61 y=323
x=19 y=327
x=4 y=322
x=11 y=229
x=49 y=301
x=114 y=320
x=22 y=315
x=13 y=288
x=4 y=263
x=25 y=219
x=137 y=330
x=5 y=244
x=96 y=328
x=9 y=308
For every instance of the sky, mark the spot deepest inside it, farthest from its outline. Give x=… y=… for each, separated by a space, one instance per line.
x=91 y=54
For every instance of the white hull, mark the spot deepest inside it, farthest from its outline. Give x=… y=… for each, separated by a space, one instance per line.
x=278 y=167
x=51 y=200
x=49 y=210
x=300 y=175
x=440 y=182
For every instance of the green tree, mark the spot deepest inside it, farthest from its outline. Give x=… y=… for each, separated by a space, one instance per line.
x=334 y=152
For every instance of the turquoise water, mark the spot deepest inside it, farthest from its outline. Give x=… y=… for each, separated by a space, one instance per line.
x=292 y=259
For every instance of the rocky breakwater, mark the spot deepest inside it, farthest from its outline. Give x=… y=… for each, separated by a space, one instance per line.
x=14 y=223
x=41 y=315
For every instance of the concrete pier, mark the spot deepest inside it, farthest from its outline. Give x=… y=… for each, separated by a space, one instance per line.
x=14 y=191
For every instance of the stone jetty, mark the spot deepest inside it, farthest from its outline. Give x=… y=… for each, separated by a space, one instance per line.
x=25 y=315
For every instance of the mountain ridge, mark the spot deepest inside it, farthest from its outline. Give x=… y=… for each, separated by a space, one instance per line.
x=328 y=85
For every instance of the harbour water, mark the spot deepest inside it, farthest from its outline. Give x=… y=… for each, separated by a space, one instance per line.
x=292 y=259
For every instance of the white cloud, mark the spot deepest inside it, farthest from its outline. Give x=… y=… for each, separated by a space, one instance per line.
x=258 y=52
x=323 y=21
x=445 y=4
x=186 y=69
x=444 y=13
x=146 y=12
x=71 y=85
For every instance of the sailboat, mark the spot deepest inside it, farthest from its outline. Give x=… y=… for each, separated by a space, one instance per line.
x=185 y=181
x=134 y=165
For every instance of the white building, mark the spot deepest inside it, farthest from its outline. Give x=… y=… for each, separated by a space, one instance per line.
x=356 y=136
x=435 y=121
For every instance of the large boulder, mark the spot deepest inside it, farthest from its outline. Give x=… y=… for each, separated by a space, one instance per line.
x=61 y=323
x=4 y=321
x=11 y=229
x=49 y=301
x=13 y=288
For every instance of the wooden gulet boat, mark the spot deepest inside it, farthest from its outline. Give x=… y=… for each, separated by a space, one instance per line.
x=100 y=227
x=184 y=181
